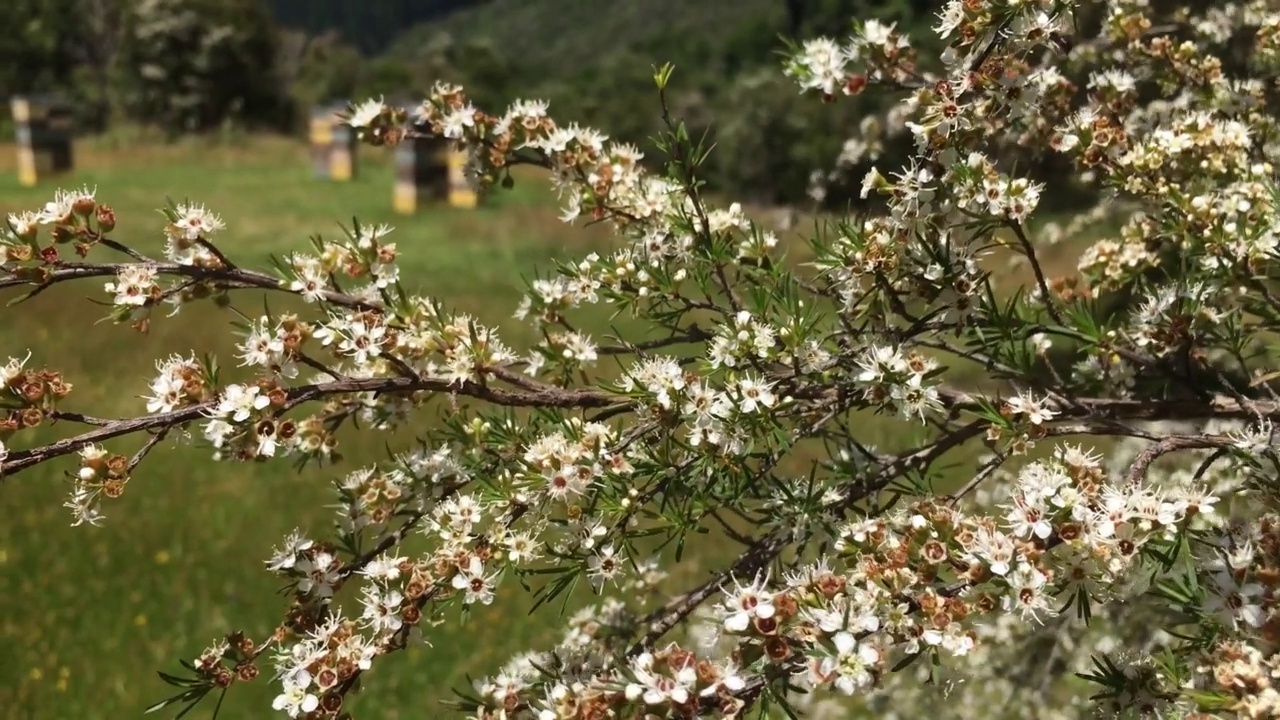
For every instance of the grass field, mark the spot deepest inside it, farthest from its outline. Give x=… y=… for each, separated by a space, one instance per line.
x=88 y=614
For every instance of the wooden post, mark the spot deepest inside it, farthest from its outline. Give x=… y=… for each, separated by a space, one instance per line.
x=44 y=131
x=333 y=145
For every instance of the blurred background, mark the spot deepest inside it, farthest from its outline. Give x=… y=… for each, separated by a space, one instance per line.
x=233 y=66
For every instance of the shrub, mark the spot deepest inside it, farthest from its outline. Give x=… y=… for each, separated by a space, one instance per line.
x=1105 y=539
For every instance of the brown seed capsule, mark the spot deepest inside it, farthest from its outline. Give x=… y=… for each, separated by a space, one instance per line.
x=411 y=614
x=59 y=388
x=766 y=626
x=31 y=417
x=830 y=585
x=414 y=590
x=326 y=678
x=706 y=672
x=934 y=551
x=777 y=648
x=785 y=606
x=106 y=219
x=117 y=464
x=32 y=391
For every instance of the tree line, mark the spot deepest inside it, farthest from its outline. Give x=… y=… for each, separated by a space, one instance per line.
x=190 y=66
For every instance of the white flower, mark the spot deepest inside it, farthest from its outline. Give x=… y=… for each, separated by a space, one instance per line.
x=134 y=285
x=478 y=586
x=382 y=568
x=296 y=700
x=58 y=209
x=284 y=557
x=24 y=224
x=382 y=609
x=362 y=341
x=1026 y=520
x=604 y=566
x=319 y=574
x=1032 y=409
x=755 y=395
x=457 y=121
x=851 y=665
x=521 y=547
x=240 y=401
x=365 y=113
x=195 y=221
x=657 y=689
x=747 y=603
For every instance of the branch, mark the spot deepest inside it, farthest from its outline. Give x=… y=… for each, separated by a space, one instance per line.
x=549 y=397
x=1029 y=250
x=1168 y=445
x=226 y=277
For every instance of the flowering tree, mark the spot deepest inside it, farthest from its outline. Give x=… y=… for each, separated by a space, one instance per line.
x=1128 y=473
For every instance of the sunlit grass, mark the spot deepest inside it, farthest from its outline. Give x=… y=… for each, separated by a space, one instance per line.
x=87 y=615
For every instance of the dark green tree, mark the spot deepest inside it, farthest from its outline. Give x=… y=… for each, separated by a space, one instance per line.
x=34 y=48
x=190 y=65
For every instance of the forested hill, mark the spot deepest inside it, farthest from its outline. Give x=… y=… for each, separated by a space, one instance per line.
x=569 y=36
x=368 y=24
x=569 y=32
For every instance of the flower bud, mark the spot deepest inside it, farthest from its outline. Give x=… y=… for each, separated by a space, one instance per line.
x=83 y=206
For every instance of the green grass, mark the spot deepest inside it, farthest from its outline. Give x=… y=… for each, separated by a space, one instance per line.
x=88 y=614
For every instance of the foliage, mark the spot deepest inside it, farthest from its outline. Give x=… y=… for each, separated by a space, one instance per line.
x=730 y=404
x=34 y=48
x=182 y=64
x=368 y=26
x=319 y=69
x=192 y=64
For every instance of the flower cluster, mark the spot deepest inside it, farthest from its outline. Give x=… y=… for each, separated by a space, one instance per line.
x=101 y=475
x=743 y=407
x=191 y=227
